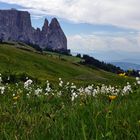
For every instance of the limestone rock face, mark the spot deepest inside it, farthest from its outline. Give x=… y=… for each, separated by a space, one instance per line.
x=56 y=36
x=16 y=26
x=45 y=27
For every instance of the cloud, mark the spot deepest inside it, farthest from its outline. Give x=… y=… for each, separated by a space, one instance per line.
x=94 y=42
x=121 y=13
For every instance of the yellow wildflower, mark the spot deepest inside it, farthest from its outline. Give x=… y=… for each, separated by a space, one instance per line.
x=16 y=97
x=112 y=97
x=122 y=74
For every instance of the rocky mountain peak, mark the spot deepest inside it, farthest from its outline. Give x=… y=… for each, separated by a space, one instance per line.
x=45 y=26
x=16 y=26
x=54 y=23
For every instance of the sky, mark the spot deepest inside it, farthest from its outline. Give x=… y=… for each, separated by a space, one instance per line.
x=108 y=30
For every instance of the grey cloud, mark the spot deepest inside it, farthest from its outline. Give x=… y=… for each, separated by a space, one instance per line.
x=88 y=43
x=122 y=13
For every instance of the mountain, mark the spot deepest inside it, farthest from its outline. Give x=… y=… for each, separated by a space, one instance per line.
x=16 y=26
x=134 y=60
x=116 y=56
x=126 y=65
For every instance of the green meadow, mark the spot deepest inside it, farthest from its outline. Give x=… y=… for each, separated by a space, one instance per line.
x=86 y=104
x=51 y=66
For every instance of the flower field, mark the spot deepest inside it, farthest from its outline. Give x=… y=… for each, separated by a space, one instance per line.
x=29 y=111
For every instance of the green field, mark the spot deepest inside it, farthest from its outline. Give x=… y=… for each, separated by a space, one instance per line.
x=61 y=110
x=34 y=112
x=51 y=66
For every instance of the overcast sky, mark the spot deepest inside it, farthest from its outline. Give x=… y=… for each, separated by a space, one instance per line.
x=97 y=27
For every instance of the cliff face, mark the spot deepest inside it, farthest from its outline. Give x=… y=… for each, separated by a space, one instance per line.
x=16 y=26
x=56 y=36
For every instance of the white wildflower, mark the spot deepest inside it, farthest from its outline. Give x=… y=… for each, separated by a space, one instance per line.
x=137 y=78
x=28 y=83
x=38 y=91
x=48 y=88
x=2 y=89
x=74 y=95
x=0 y=79
x=138 y=82
x=127 y=89
x=60 y=83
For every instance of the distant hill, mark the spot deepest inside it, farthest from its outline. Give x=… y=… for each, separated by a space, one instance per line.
x=95 y=63
x=126 y=65
x=50 y=66
x=132 y=60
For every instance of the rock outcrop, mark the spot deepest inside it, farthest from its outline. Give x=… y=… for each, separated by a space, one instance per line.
x=16 y=26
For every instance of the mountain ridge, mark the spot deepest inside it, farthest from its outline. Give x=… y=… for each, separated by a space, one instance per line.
x=127 y=65
x=16 y=26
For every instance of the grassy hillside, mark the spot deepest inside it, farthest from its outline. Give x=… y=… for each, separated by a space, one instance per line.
x=29 y=110
x=51 y=66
